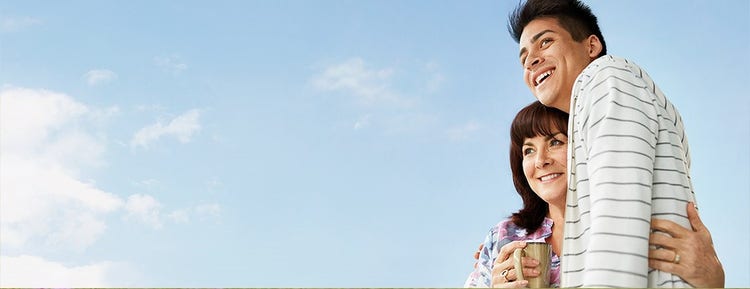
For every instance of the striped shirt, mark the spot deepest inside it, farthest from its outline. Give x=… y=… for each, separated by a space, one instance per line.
x=629 y=162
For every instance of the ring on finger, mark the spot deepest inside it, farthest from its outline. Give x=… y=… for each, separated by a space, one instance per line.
x=504 y=273
x=676 y=259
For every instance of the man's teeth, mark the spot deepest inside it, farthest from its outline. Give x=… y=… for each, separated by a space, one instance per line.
x=549 y=177
x=542 y=77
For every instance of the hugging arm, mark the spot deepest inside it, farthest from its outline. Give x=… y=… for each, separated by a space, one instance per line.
x=698 y=263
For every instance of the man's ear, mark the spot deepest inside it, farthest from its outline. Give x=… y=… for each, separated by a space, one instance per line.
x=594 y=45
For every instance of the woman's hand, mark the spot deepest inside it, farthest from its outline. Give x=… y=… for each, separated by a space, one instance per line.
x=503 y=270
x=687 y=253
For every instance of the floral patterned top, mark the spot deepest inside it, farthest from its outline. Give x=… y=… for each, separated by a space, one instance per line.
x=504 y=233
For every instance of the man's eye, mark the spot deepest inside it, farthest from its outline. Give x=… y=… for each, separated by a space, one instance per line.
x=545 y=41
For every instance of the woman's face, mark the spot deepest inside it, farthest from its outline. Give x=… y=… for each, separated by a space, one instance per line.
x=545 y=160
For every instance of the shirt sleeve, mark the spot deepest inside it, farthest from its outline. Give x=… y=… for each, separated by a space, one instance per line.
x=481 y=277
x=619 y=132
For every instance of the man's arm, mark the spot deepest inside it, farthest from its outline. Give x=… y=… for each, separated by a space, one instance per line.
x=619 y=134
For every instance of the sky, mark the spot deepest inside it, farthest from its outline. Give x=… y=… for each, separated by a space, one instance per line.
x=327 y=143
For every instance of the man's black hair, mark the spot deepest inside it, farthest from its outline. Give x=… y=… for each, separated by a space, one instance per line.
x=572 y=15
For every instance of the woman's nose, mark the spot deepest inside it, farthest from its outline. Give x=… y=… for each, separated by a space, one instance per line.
x=542 y=158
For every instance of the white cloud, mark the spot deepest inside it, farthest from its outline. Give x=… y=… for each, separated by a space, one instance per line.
x=435 y=77
x=33 y=271
x=362 y=122
x=463 y=132
x=213 y=184
x=408 y=122
x=172 y=64
x=14 y=24
x=44 y=145
x=207 y=211
x=182 y=127
x=181 y=216
x=30 y=115
x=369 y=86
x=99 y=76
x=145 y=209
x=152 y=107
x=48 y=140
x=149 y=184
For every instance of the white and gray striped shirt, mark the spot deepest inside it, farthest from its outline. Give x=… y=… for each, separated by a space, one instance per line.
x=629 y=162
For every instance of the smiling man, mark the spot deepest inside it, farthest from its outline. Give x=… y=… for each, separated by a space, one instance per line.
x=628 y=160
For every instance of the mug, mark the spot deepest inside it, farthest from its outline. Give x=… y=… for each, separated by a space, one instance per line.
x=539 y=251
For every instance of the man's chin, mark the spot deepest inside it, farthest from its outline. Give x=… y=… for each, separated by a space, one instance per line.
x=546 y=100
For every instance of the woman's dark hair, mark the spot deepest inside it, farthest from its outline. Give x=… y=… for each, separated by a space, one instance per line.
x=573 y=15
x=533 y=120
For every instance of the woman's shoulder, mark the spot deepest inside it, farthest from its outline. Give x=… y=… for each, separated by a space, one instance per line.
x=508 y=230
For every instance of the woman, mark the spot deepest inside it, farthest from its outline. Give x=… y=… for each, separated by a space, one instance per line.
x=538 y=159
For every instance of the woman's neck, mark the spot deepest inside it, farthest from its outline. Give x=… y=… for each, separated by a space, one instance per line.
x=557 y=214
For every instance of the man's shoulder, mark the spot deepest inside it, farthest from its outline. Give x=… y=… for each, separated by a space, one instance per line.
x=608 y=66
x=610 y=63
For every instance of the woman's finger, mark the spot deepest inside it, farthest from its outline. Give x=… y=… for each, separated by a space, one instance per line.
x=662 y=255
x=666 y=267
x=514 y=284
x=530 y=273
x=695 y=219
x=509 y=281
x=669 y=227
x=508 y=249
x=662 y=240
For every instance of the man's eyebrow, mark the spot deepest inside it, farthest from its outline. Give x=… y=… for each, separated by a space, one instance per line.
x=534 y=39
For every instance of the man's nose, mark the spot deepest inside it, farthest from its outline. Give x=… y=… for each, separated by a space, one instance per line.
x=531 y=61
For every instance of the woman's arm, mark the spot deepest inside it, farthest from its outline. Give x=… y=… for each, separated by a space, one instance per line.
x=697 y=263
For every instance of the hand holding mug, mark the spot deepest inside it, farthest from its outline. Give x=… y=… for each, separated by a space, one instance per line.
x=539 y=251
x=504 y=273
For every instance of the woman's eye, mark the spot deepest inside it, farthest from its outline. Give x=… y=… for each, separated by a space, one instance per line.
x=527 y=151
x=556 y=142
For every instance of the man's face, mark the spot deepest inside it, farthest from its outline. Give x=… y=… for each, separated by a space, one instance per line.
x=552 y=60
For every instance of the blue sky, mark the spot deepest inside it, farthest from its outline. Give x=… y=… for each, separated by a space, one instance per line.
x=311 y=143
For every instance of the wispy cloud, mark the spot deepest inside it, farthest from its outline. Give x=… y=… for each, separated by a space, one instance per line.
x=15 y=24
x=369 y=86
x=362 y=122
x=435 y=77
x=181 y=127
x=145 y=209
x=213 y=184
x=206 y=211
x=464 y=131
x=26 y=271
x=171 y=63
x=387 y=100
x=99 y=76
